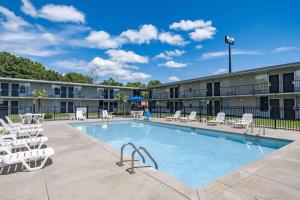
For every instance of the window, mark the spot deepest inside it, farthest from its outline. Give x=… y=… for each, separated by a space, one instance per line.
x=22 y=89
x=111 y=94
x=77 y=91
x=57 y=91
x=105 y=94
x=4 y=89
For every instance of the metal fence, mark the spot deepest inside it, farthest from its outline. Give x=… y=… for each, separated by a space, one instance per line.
x=287 y=118
x=59 y=112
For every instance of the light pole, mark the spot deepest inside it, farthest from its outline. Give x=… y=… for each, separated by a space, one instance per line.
x=230 y=41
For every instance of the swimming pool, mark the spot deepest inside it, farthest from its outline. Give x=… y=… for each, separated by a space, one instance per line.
x=193 y=156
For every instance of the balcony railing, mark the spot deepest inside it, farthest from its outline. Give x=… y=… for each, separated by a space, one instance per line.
x=51 y=94
x=193 y=93
x=245 y=89
x=251 y=89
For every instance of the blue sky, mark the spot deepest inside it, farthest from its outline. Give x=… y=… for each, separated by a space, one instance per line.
x=140 y=40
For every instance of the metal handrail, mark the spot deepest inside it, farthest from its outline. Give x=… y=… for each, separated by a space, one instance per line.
x=261 y=128
x=122 y=150
x=131 y=170
x=252 y=126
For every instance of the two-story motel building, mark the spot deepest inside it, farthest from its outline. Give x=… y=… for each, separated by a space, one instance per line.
x=16 y=95
x=266 y=87
x=263 y=88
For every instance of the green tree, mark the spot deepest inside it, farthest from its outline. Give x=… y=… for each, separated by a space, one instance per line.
x=93 y=74
x=144 y=94
x=135 y=84
x=18 y=67
x=121 y=97
x=111 y=82
x=77 y=78
x=38 y=96
x=153 y=83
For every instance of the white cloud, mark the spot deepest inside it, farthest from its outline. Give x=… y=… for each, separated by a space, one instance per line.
x=173 y=78
x=14 y=37
x=168 y=55
x=72 y=65
x=28 y=8
x=29 y=49
x=199 y=46
x=102 y=40
x=173 y=64
x=202 y=30
x=126 y=56
x=19 y=37
x=172 y=39
x=55 y=13
x=283 y=49
x=137 y=75
x=220 y=71
x=118 y=70
x=203 y=33
x=11 y=22
x=62 y=13
x=235 y=52
x=145 y=34
x=32 y=51
x=187 y=25
x=216 y=54
x=50 y=38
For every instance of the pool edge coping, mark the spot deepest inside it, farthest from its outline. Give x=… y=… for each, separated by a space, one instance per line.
x=170 y=183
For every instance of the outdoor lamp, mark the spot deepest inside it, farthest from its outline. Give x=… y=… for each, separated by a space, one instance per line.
x=230 y=41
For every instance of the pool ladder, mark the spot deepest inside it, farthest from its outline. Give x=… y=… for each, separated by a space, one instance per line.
x=251 y=128
x=261 y=130
x=135 y=150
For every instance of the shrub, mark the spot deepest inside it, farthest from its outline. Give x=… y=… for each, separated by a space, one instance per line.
x=48 y=116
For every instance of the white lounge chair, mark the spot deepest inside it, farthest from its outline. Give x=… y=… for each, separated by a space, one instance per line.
x=25 y=126
x=176 y=116
x=26 y=157
x=38 y=118
x=26 y=119
x=105 y=115
x=136 y=114
x=4 y=136
x=28 y=132
x=246 y=121
x=191 y=118
x=218 y=120
x=18 y=143
x=79 y=115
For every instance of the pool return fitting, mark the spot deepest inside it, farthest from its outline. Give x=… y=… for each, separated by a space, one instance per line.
x=135 y=150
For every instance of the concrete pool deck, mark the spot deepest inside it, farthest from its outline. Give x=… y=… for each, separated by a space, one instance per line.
x=85 y=168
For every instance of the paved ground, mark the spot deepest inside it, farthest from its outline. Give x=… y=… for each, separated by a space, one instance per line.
x=83 y=168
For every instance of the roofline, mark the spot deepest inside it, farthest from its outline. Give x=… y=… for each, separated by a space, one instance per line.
x=65 y=83
x=260 y=69
x=255 y=70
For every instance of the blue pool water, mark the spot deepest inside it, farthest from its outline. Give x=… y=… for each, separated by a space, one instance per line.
x=193 y=156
